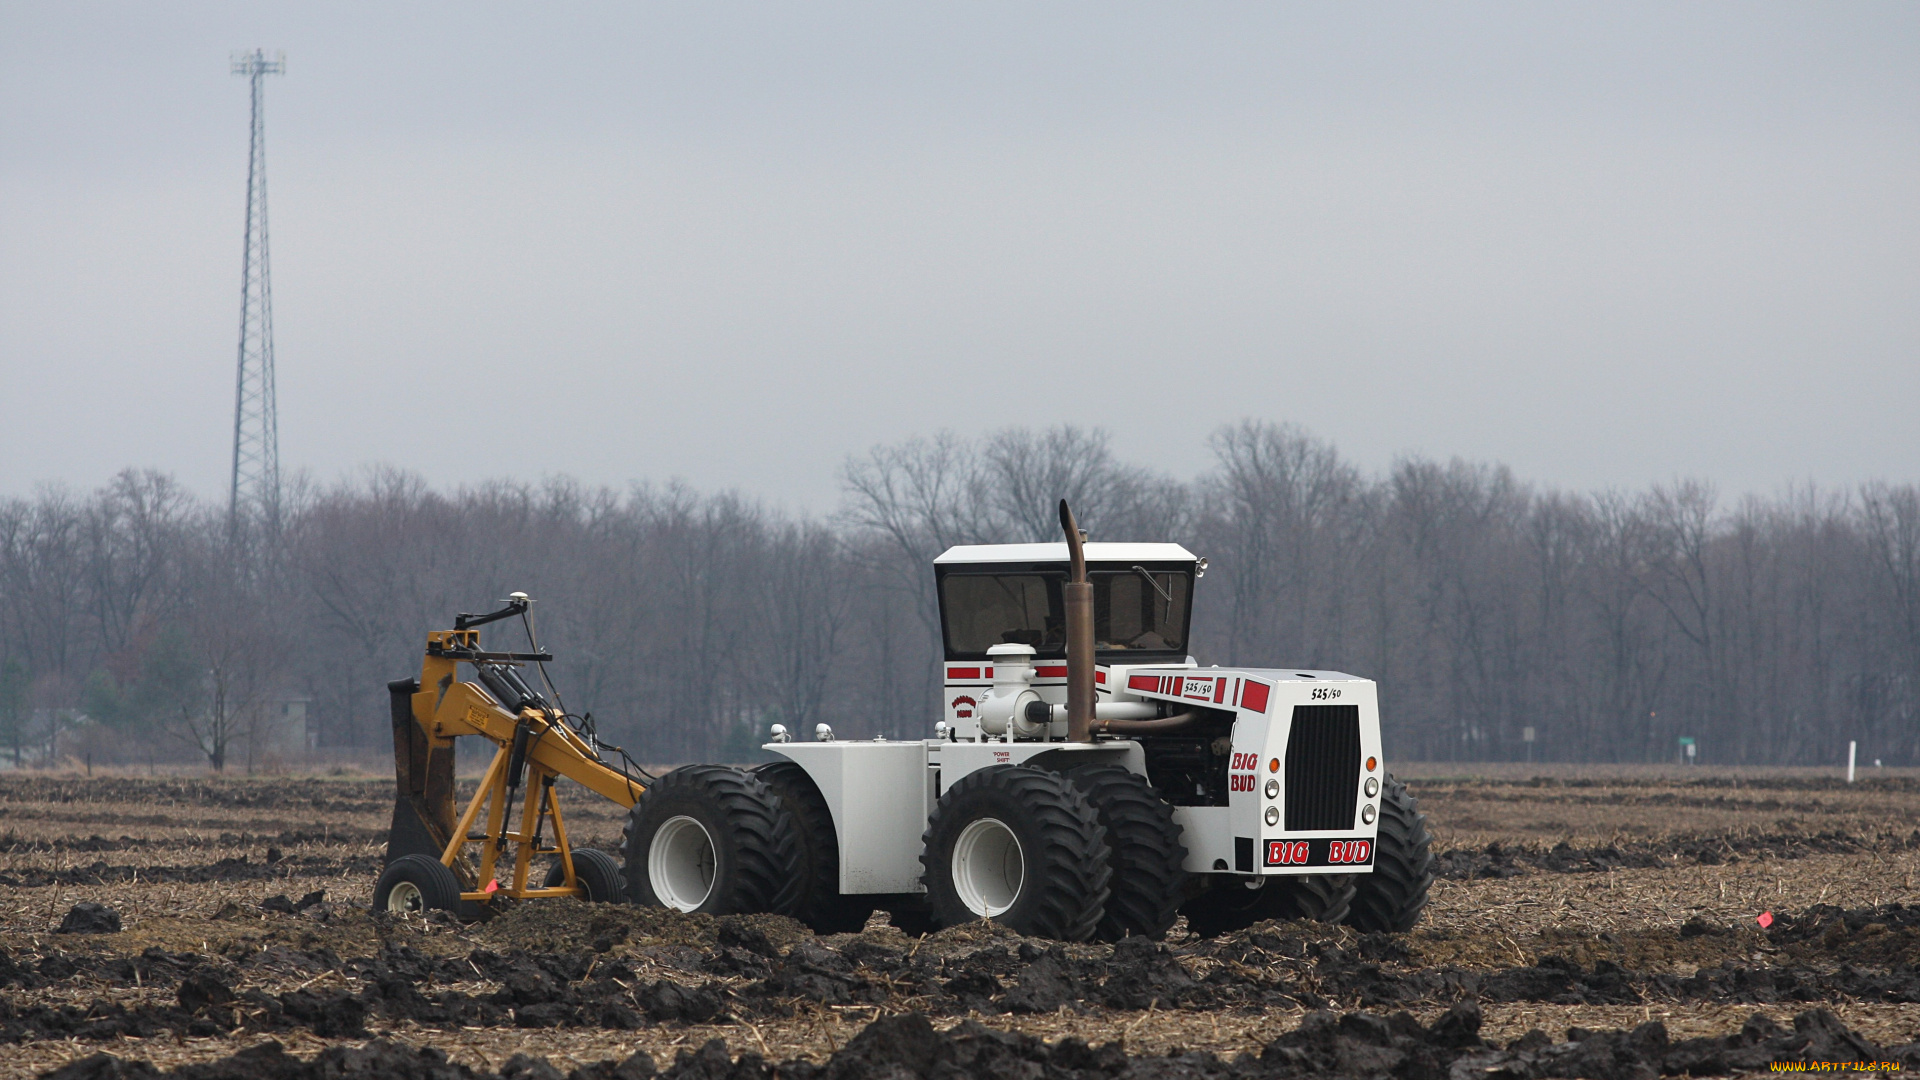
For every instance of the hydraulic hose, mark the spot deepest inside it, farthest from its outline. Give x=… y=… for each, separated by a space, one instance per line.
x=1162 y=726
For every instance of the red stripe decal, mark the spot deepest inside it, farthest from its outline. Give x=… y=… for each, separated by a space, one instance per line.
x=963 y=673
x=1254 y=696
x=989 y=673
x=1051 y=671
x=1219 y=690
x=1149 y=683
x=1099 y=676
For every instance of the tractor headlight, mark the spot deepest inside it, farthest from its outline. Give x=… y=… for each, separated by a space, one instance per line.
x=1367 y=814
x=1273 y=815
x=1373 y=787
x=1273 y=789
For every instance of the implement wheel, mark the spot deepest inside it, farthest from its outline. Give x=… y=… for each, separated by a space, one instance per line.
x=594 y=871
x=1148 y=881
x=1021 y=846
x=1391 y=898
x=712 y=839
x=820 y=904
x=415 y=885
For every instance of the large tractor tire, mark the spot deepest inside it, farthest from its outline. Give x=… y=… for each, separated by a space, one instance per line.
x=1021 y=846
x=1229 y=904
x=711 y=839
x=415 y=885
x=1148 y=882
x=1391 y=898
x=596 y=871
x=820 y=904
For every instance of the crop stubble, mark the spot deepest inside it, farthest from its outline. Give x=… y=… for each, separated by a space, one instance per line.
x=1592 y=900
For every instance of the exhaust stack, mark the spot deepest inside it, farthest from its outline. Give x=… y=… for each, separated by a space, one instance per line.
x=1077 y=597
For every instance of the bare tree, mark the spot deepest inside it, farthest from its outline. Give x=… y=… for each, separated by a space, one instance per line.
x=1775 y=630
x=1680 y=578
x=240 y=654
x=1891 y=527
x=43 y=566
x=1460 y=525
x=14 y=714
x=135 y=534
x=803 y=607
x=1627 y=668
x=1279 y=515
x=1022 y=475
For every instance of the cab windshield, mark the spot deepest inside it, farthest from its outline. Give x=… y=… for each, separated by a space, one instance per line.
x=1135 y=609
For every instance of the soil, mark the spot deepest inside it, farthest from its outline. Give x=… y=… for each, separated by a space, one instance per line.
x=1594 y=927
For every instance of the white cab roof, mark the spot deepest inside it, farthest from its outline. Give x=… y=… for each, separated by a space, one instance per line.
x=1057 y=553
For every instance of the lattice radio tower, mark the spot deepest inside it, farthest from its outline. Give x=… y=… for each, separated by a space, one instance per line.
x=256 y=422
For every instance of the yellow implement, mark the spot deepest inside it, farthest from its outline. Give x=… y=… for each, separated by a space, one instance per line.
x=535 y=745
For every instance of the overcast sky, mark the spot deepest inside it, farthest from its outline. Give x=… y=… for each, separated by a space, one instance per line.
x=1606 y=244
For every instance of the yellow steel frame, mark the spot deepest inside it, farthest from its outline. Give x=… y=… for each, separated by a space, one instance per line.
x=446 y=709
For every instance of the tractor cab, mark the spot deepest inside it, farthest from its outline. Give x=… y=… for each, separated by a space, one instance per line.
x=1010 y=594
x=1004 y=605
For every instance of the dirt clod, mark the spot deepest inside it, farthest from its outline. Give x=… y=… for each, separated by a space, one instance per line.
x=279 y=902
x=1325 y=1044
x=90 y=918
x=242 y=923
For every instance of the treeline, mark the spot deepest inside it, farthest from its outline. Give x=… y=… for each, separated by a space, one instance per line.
x=137 y=621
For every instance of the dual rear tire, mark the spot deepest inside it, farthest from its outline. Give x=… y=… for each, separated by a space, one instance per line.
x=819 y=902
x=715 y=840
x=1021 y=846
x=1144 y=852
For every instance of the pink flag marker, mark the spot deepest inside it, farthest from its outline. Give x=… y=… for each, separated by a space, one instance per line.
x=1765 y=919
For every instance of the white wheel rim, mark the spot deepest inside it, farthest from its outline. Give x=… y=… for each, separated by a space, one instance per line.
x=680 y=863
x=405 y=898
x=988 y=867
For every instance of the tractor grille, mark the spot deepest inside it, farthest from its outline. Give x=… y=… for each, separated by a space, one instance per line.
x=1323 y=767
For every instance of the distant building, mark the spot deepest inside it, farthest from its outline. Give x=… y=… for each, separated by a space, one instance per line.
x=286 y=728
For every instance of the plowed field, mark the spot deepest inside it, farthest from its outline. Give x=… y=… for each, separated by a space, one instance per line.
x=1585 y=924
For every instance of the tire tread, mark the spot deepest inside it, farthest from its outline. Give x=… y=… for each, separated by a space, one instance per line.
x=759 y=828
x=1071 y=870
x=1148 y=881
x=439 y=888
x=1392 y=897
x=820 y=904
x=595 y=870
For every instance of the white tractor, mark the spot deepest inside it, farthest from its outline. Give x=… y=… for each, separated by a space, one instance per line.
x=1089 y=779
